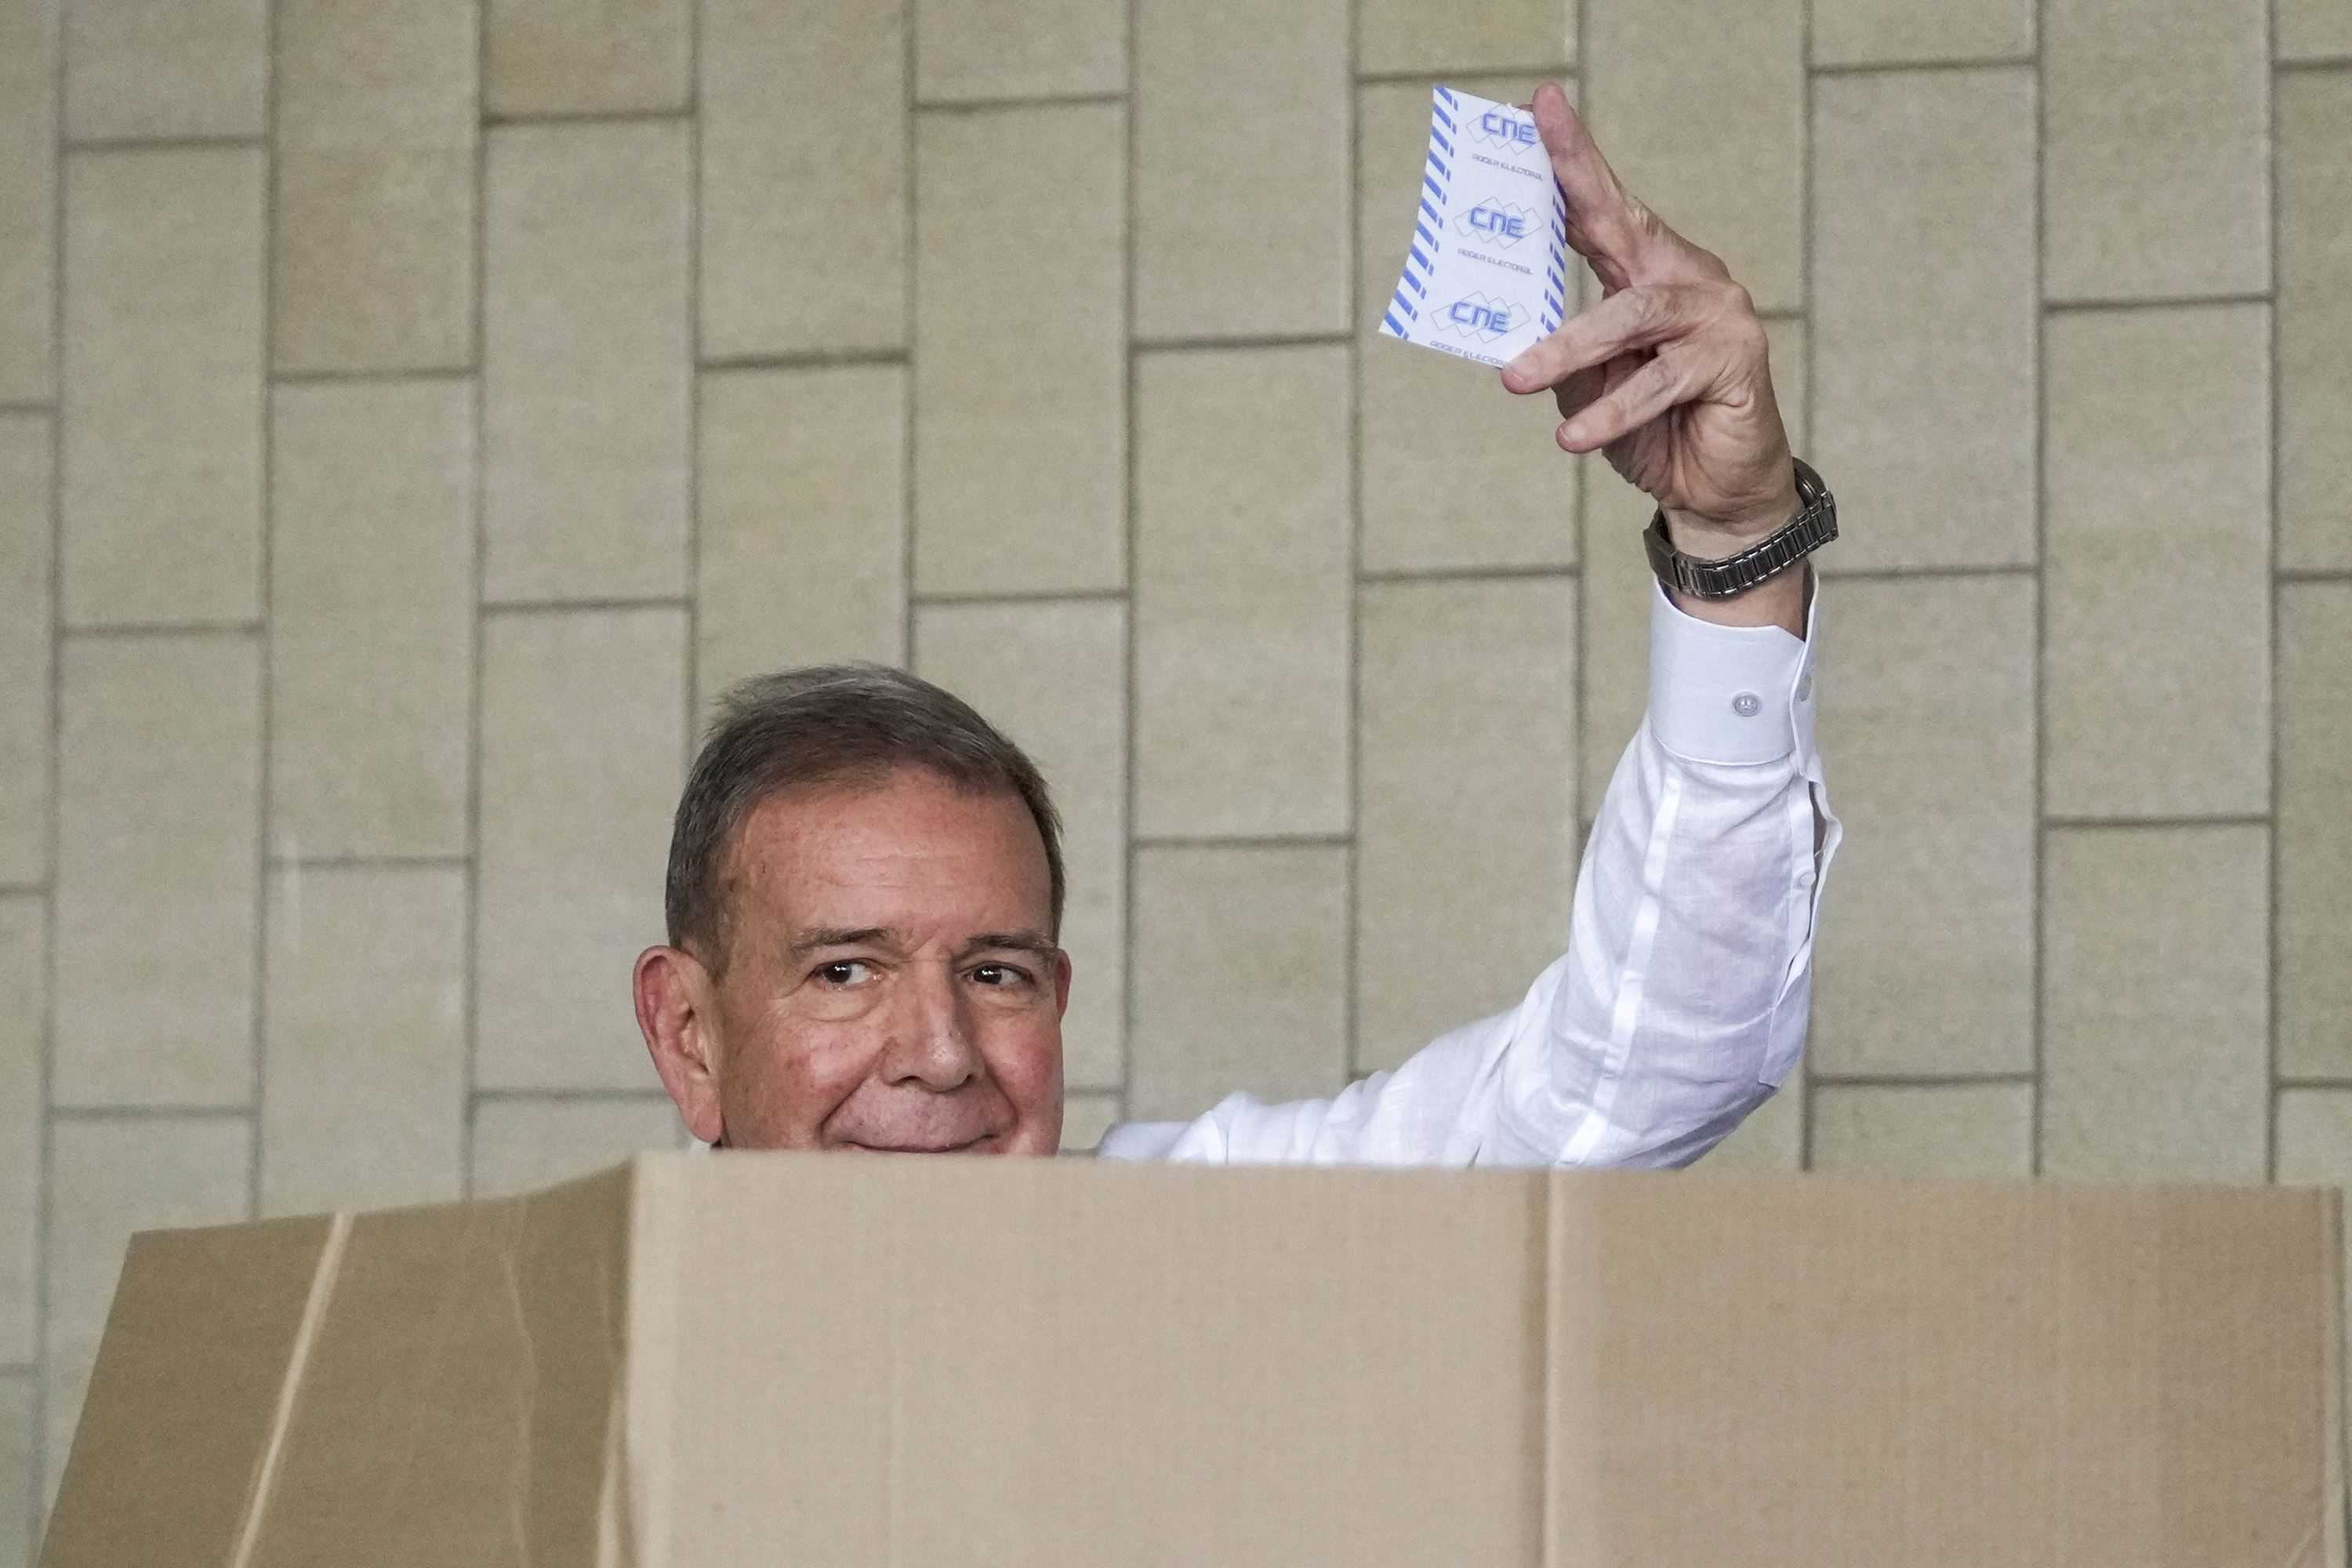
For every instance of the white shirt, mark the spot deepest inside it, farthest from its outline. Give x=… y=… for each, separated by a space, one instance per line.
x=1681 y=1002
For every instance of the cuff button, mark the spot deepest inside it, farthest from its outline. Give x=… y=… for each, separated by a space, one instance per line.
x=1748 y=705
x=1805 y=686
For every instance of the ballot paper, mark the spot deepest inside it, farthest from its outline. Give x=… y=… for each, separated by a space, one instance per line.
x=1486 y=272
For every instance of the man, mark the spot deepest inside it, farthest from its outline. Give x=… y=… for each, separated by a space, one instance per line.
x=865 y=883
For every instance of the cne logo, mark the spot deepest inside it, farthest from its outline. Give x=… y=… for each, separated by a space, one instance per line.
x=1500 y=128
x=1476 y=317
x=1499 y=224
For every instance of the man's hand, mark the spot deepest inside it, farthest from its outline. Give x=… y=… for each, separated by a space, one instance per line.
x=1666 y=374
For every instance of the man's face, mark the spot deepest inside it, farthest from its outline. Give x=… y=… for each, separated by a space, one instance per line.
x=890 y=981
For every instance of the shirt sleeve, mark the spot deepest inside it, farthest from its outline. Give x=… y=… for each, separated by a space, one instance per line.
x=1682 y=1000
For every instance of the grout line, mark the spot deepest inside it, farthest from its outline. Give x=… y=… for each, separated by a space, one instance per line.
x=908 y=401
x=101 y=1113
x=1905 y=68
x=2039 y=916
x=1555 y=72
x=984 y=105
x=259 y=1044
x=588 y=115
x=44 y=1176
x=2312 y=574
x=2305 y=1080
x=1907 y=574
x=1933 y=1081
x=1130 y=855
x=39 y=890
x=1465 y=574
x=812 y=359
x=693 y=676
x=953 y=598
x=129 y=631
x=2091 y=306
x=1805 y=1074
x=2150 y=824
x=1243 y=840
x=363 y=862
x=335 y=377
x=2311 y=63
x=1351 y=935
x=655 y=1095
x=1240 y=341
x=567 y=606
x=2272 y=1044
x=13 y=406
x=164 y=143
x=479 y=623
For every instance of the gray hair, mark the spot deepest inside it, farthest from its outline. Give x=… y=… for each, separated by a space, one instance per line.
x=828 y=725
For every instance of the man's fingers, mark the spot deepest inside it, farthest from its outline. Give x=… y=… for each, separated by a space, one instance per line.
x=1600 y=220
x=1666 y=380
x=1636 y=318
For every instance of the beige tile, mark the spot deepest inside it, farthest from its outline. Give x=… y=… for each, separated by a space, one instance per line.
x=2155 y=149
x=551 y=57
x=163 y=385
x=26 y=539
x=1453 y=472
x=971 y=49
x=1700 y=108
x=584 y=735
x=2155 y=969
x=804 y=177
x=159 y=784
x=2150 y=535
x=1242 y=591
x=1925 y=314
x=1616 y=582
x=23 y=992
x=19 y=1459
x=587 y=372
x=1084 y=1119
x=802 y=546
x=28 y=206
x=1242 y=126
x=1771 y=1143
x=1240 y=975
x=2315 y=331
x=2313 y=29
x=363 y=1091
x=1926 y=954
x=2315 y=862
x=1466 y=840
x=372 y=617
x=1981 y=1129
x=108 y=1178
x=1398 y=35
x=1053 y=677
x=1900 y=32
x=1021 y=350
x=373 y=262
x=524 y=1143
x=139 y=69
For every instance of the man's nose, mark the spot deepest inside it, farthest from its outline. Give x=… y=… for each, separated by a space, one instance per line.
x=931 y=1041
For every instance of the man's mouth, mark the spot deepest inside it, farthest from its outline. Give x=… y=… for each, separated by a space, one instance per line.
x=969 y=1146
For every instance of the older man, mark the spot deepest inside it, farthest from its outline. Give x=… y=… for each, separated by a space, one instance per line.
x=865 y=883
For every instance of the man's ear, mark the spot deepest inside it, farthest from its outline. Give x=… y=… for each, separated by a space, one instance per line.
x=1061 y=984
x=677 y=1015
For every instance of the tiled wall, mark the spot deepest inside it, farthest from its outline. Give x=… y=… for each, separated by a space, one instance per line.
x=411 y=411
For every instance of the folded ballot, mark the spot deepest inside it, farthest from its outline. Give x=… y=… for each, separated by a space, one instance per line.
x=1486 y=272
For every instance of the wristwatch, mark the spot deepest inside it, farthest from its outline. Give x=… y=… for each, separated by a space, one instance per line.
x=1814 y=525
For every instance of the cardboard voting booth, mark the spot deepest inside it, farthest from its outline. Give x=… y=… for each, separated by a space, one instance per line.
x=832 y=1360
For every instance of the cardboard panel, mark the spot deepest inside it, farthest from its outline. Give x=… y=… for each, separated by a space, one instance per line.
x=456 y=1402
x=186 y=1390
x=1048 y=1363
x=1829 y=1372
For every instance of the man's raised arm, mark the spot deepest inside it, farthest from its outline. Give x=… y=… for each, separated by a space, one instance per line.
x=1682 y=997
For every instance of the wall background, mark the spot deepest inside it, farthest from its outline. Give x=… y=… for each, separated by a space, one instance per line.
x=411 y=411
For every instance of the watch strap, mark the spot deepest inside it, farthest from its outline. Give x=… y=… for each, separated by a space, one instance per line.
x=1814 y=525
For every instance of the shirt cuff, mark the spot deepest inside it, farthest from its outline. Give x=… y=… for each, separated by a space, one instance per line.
x=1728 y=694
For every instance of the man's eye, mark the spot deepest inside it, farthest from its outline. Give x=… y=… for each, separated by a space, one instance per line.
x=1001 y=974
x=841 y=972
